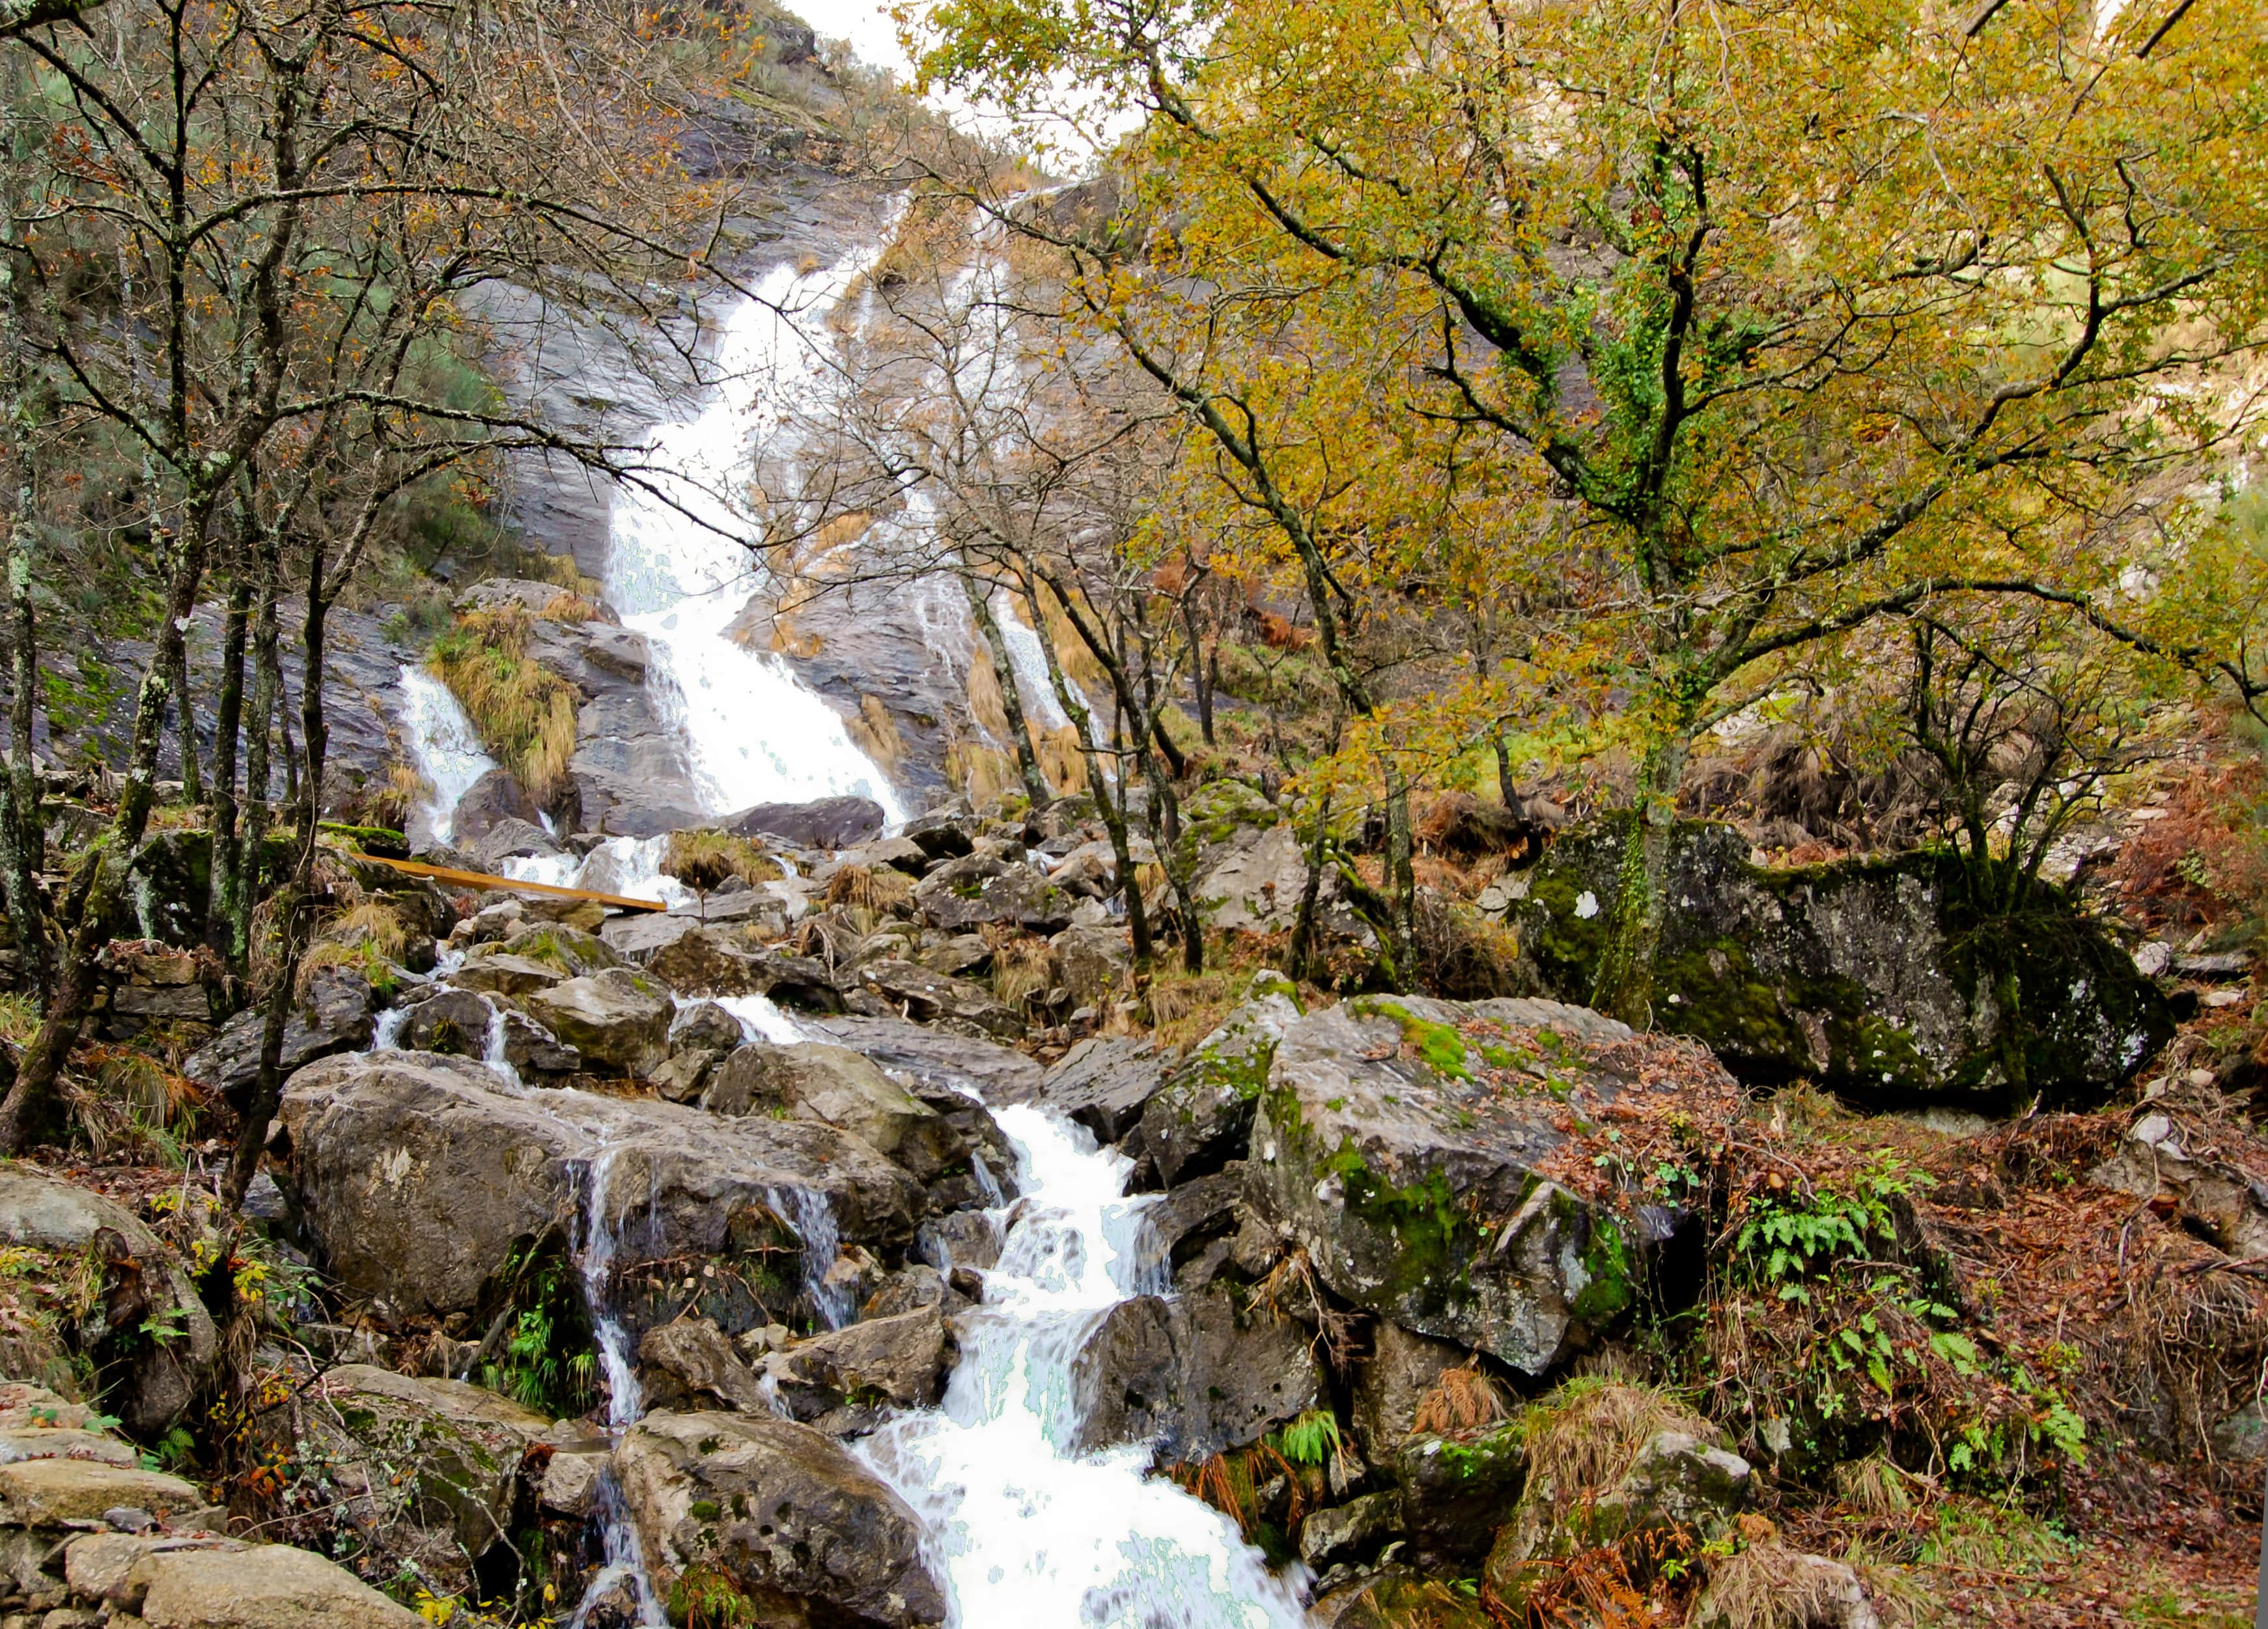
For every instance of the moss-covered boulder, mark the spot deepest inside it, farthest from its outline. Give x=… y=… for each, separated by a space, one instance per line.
x=1872 y=977
x=1403 y=1144
x=1202 y=1119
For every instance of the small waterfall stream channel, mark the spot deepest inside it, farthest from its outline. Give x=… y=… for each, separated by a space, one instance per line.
x=1021 y=1531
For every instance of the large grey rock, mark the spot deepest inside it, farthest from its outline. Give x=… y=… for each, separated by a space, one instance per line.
x=1400 y=1368
x=1349 y=1531
x=1869 y=977
x=823 y=823
x=835 y=1086
x=1091 y=962
x=1456 y=1492
x=510 y=838
x=334 y=1017
x=778 y=1514
x=899 y=1361
x=140 y=1286
x=1195 y=1375
x=965 y=894
x=706 y=959
x=497 y=797
x=689 y=1364
x=450 y=1020
x=1416 y=1193
x=617 y=1020
x=259 y=1586
x=420 y=1175
x=1678 y=1482
x=1202 y=1117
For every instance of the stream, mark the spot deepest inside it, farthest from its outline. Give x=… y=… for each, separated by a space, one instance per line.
x=1020 y=1529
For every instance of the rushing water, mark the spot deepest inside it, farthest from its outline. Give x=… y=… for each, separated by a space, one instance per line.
x=445 y=749
x=1023 y=1530
x=755 y=733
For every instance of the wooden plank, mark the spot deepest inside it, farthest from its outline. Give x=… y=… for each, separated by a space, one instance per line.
x=481 y=879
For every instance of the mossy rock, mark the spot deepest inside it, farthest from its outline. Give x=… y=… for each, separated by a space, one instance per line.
x=1872 y=977
x=1413 y=1180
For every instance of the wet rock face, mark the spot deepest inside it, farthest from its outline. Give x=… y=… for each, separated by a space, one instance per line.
x=961 y=895
x=497 y=796
x=837 y=1086
x=1197 y=1374
x=1104 y=1084
x=757 y=1520
x=1413 y=1183
x=617 y=1020
x=335 y=1017
x=418 y=1176
x=1870 y=977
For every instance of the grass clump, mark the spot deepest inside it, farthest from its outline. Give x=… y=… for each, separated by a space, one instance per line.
x=707 y=859
x=877 y=888
x=524 y=712
x=1583 y=1440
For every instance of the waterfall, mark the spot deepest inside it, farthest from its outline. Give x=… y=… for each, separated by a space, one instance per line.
x=1022 y=1530
x=618 y=1534
x=677 y=573
x=445 y=749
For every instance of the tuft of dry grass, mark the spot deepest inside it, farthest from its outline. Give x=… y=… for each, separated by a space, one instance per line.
x=877 y=888
x=569 y=607
x=704 y=858
x=1584 y=1438
x=524 y=712
x=1769 y=1585
x=1462 y=1400
x=1873 y=1486
x=1021 y=967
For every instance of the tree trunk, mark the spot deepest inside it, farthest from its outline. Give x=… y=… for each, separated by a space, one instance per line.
x=1114 y=817
x=1623 y=987
x=1200 y=679
x=1303 y=924
x=23 y=841
x=85 y=918
x=1402 y=878
x=1020 y=727
x=1504 y=788
x=297 y=902
x=220 y=909
x=267 y=688
x=87 y=902
x=185 y=712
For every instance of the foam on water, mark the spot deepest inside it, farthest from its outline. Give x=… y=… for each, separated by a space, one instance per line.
x=1024 y=1530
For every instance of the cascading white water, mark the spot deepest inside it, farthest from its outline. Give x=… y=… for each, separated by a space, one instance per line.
x=755 y=733
x=618 y=1535
x=1024 y=1531
x=445 y=749
x=630 y=866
